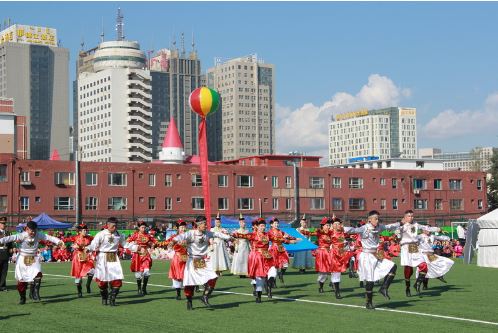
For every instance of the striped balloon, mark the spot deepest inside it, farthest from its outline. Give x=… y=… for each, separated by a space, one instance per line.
x=204 y=100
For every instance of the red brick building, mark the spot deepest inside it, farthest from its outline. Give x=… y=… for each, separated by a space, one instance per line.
x=162 y=191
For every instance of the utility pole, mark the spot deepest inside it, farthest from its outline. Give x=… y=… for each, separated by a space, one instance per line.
x=77 y=185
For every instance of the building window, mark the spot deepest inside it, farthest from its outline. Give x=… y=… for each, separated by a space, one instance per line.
x=63 y=203
x=336 y=182
x=394 y=183
x=37 y=199
x=317 y=203
x=479 y=184
x=91 y=203
x=420 y=204
x=355 y=182
x=116 y=203
x=244 y=181
x=3 y=203
x=383 y=182
x=479 y=204
x=456 y=184
x=438 y=204
x=337 y=204
x=288 y=203
x=116 y=179
x=3 y=173
x=245 y=203
x=222 y=203
x=37 y=173
x=222 y=181
x=419 y=184
x=438 y=184
x=197 y=203
x=91 y=178
x=168 y=203
x=196 y=180
x=24 y=177
x=288 y=182
x=316 y=182
x=168 y=180
x=152 y=203
x=152 y=179
x=456 y=204
x=356 y=204
x=64 y=178
x=383 y=204
x=395 y=203
x=275 y=204
x=274 y=181
x=24 y=203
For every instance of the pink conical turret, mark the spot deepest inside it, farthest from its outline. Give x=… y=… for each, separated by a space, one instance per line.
x=55 y=155
x=172 y=151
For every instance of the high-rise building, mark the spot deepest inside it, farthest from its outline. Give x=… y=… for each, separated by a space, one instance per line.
x=245 y=122
x=34 y=72
x=114 y=105
x=174 y=76
x=373 y=134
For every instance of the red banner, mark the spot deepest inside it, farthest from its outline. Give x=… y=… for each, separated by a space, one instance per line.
x=203 y=156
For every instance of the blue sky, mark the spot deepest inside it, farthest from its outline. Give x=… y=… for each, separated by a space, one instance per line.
x=441 y=58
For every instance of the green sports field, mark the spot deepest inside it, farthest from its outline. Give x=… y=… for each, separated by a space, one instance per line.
x=468 y=303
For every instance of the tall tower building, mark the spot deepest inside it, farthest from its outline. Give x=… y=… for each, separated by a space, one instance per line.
x=245 y=122
x=384 y=133
x=34 y=72
x=114 y=105
x=174 y=76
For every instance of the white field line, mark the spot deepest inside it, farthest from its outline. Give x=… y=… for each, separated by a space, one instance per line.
x=328 y=303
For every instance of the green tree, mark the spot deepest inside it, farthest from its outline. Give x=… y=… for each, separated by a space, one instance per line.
x=493 y=182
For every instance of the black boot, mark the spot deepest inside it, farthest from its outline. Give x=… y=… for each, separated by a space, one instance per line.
x=144 y=284
x=387 y=282
x=112 y=296
x=281 y=276
x=407 y=291
x=88 y=283
x=80 y=289
x=139 y=287
x=441 y=278
x=189 y=303
x=337 y=290
x=369 y=295
x=362 y=285
x=22 y=297
x=254 y=290
x=105 y=294
x=419 y=281
x=258 y=296
x=320 y=287
x=31 y=287
x=205 y=295
x=351 y=267
x=425 y=284
x=36 y=289
x=270 y=283
x=178 y=294
x=197 y=289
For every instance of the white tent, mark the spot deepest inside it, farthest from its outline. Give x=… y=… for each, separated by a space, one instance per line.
x=483 y=232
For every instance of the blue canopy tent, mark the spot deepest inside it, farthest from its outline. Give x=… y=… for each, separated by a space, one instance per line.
x=303 y=245
x=46 y=222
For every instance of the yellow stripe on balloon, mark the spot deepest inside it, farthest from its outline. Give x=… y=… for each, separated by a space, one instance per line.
x=206 y=100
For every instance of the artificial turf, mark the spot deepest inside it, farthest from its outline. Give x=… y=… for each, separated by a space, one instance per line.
x=471 y=293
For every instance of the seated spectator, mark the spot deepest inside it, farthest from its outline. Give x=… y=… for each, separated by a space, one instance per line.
x=457 y=250
x=447 y=250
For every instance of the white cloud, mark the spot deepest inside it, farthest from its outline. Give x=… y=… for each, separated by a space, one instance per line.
x=452 y=124
x=306 y=129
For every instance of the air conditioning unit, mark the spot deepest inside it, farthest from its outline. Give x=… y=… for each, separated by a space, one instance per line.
x=25 y=183
x=416 y=192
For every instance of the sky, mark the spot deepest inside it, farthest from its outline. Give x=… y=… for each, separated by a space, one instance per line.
x=329 y=57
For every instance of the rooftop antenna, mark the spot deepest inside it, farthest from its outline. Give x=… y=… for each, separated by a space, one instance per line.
x=193 y=41
x=182 y=44
x=174 y=42
x=102 y=32
x=82 y=44
x=120 y=25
